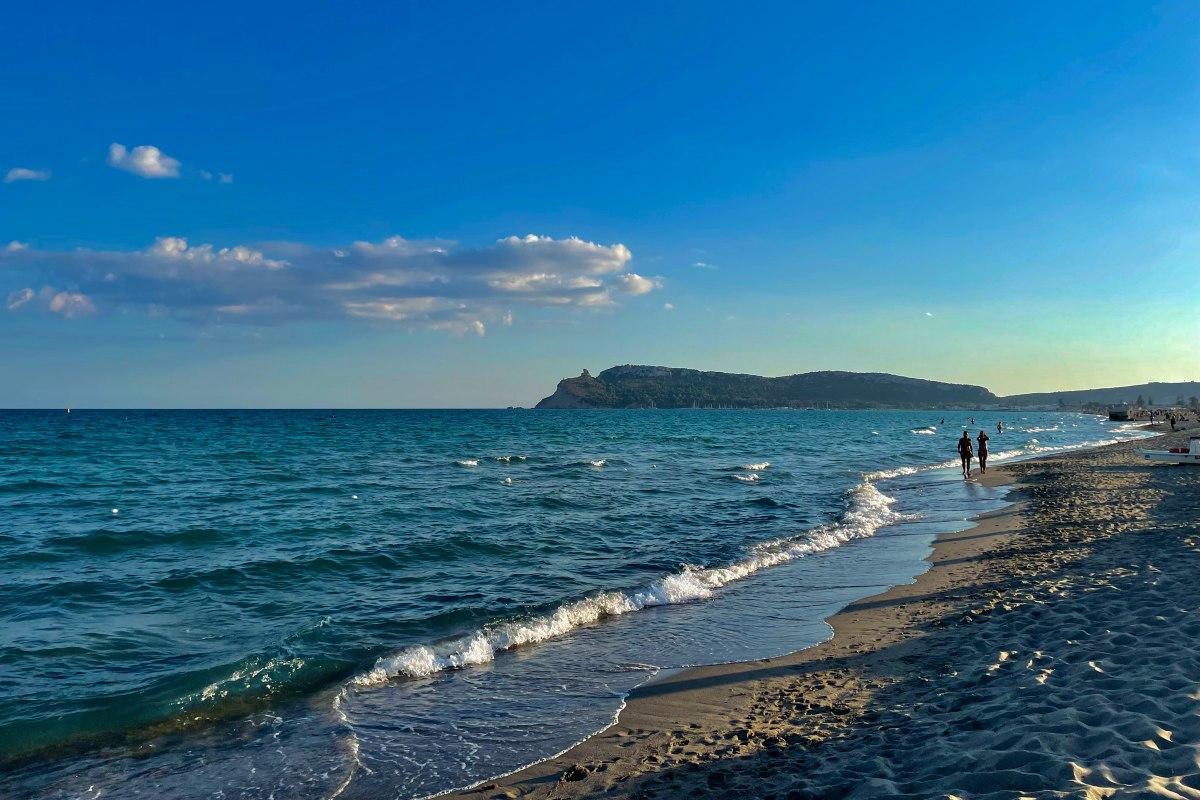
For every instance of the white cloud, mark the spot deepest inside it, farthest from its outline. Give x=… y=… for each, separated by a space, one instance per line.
x=431 y=284
x=176 y=248
x=26 y=174
x=72 y=304
x=18 y=298
x=928 y=314
x=635 y=284
x=668 y=306
x=14 y=246
x=703 y=265
x=145 y=160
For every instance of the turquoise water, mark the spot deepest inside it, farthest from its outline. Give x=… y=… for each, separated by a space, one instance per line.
x=358 y=603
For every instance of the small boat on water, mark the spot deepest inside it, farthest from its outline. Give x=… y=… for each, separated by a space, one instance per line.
x=1177 y=455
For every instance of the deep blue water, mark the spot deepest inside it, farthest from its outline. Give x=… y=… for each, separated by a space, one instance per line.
x=360 y=603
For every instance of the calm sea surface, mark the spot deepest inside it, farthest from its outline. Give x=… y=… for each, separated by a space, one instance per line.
x=254 y=604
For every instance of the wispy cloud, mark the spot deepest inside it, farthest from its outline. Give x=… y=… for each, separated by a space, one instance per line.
x=220 y=177
x=145 y=160
x=704 y=265
x=430 y=284
x=25 y=174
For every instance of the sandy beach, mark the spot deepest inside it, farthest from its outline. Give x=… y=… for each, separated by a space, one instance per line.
x=1049 y=651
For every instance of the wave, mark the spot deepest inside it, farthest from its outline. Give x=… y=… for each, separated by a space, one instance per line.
x=750 y=478
x=928 y=431
x=468 y=462
x=757 y=467
x=1029 y=448
x=597 y=463
x=867 y=510
x=509 y=459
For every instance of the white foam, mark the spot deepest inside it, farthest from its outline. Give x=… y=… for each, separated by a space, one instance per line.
x=468 y=462
x=750 y=478
x=867 y=511
x=598 y=463
x=508 y=459
x=507 y=482
x=930 y=431
x=760 y=466
x=1030 y=447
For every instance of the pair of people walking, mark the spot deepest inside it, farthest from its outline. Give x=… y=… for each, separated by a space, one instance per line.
x=966 y=451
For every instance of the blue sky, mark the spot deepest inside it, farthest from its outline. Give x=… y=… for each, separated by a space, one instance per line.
x=456 y=205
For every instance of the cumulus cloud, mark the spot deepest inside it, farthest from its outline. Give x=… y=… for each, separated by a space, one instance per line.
x=432 y=284
x=26 y=174
x=71 y=304
x=145 y=160
x=633 y=283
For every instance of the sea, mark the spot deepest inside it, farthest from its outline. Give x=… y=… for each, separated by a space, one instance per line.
x=323 y=604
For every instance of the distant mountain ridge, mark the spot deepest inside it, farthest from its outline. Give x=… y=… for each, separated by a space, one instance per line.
x=1160 y=393
x=637 y=386
x=633 y=386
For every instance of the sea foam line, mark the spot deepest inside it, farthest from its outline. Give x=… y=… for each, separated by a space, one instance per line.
x=867 y=511
x=1030 y=448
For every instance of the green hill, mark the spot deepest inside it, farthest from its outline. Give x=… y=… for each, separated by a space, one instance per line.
x=669 y=387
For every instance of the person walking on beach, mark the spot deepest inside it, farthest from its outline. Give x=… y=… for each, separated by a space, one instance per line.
x=964 y=453
x=981 y=454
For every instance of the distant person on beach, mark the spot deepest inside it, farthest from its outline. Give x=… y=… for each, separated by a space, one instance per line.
x=964 y=453
x=1000 y=426
x=982 y=452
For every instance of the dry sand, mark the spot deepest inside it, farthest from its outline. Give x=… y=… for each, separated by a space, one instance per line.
x=1051 y=651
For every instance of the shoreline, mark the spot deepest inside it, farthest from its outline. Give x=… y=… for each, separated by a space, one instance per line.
x=711 y=727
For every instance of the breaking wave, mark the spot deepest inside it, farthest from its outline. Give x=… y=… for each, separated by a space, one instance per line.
x=867 y=510
x=1029 y=448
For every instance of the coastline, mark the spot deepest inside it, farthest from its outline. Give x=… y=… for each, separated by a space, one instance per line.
x=795 y=726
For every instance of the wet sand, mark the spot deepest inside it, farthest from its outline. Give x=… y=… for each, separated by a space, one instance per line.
x=1053 y=650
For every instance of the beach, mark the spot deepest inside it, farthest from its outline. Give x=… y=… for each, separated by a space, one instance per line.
x=1049 y=651
x=309 y=613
